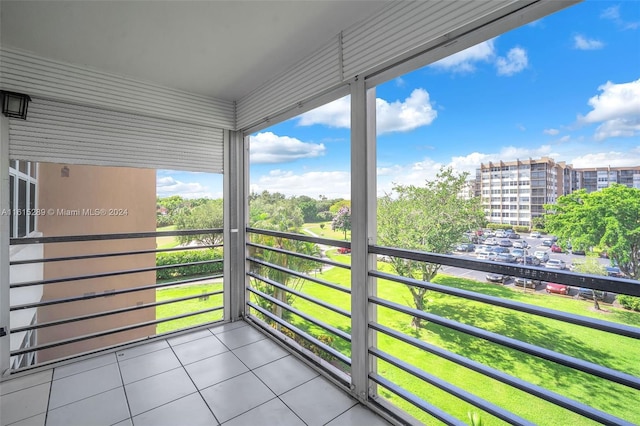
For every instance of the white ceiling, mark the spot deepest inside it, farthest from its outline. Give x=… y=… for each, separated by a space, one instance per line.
x=222 y=49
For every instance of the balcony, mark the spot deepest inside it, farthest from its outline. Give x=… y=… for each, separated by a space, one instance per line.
x=230 y=374
x=295 y=355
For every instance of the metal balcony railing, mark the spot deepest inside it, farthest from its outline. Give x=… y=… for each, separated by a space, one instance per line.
x=97 y=292
x=576 y=381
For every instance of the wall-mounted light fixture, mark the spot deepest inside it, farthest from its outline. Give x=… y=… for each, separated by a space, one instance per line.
x=15 y=104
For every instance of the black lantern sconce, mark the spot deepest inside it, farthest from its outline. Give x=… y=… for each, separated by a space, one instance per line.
x=15 y=104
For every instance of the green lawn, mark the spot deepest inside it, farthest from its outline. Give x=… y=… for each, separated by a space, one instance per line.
x=613 y=351
x=193 y=305
x=325 y=232
x=166 y=242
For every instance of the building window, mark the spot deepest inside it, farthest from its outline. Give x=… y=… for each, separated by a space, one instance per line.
x=22 y=198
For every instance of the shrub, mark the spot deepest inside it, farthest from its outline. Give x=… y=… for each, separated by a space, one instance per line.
x=187 y=256
x=629 y=302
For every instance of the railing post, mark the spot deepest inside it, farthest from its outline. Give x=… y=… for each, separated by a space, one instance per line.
x=4 y=246
x=235 y=215
x=363 y=233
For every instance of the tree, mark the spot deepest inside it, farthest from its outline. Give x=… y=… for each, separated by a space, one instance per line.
x=608 y=219
x=342 y=220
x=430 y=218
x=207 y=215
x=593 y=267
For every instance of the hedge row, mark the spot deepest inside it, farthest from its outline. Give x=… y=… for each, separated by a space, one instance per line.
x=517 y=229
x=189 y=256
x=629 y=302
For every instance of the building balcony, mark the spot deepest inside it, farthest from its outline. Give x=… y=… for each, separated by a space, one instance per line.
x=297 y=349
x=230 y=374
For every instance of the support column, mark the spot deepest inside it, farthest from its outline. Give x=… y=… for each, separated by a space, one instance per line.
x=5 y=343
x=236 y=166
x=363 y=233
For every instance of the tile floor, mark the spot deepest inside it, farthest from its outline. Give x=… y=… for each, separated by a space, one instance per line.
x=231 y=374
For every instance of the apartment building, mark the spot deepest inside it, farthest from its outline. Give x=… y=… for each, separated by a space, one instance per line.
x=515 y=192
x=596 y=178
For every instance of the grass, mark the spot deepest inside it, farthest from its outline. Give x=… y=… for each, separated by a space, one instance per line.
x=326 y=232
x=193 y=305
x=166 y=242
x=616 y=352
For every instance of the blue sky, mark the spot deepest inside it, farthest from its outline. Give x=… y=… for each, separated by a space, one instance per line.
x=566 y=86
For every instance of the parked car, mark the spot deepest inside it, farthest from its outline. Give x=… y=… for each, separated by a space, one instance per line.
x=535 y=234
x=529 y=260
x=491 y=241
x=520 y=244
x=555 y=264
x=517 y=253
x=505 y=243
x=497 y=278
x=587 y=293
x=506 y=258
x=480 y=248
x=580 y=252
x=614 y=271
x=489 y=233
x=526 y=282
x=547 y=242
x=557 y=288
x=465 y=247
x=486 y=255
x=499 y=250
x=513 y=236
x=542 y=256
x=501 y=234
x=344 y=250
x=556 y=248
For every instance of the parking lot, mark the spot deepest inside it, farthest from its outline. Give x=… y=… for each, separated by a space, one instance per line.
x=534 y=244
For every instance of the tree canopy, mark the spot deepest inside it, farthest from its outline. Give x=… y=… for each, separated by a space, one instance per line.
x=608 y=219
x=431 y=218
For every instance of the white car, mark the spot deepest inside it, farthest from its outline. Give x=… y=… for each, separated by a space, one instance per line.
x=555 y=264
x=487 y=255
x=481 y=248
x=543 y=256
x=535 y=234
x=522 y=244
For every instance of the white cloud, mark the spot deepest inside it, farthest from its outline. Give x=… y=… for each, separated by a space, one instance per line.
x=270 y=148
x=515 y=62
x=551 y=132
x=617 y=108
x=332 y=184
x=397 y=116
x=582 y=43
x=613 y=14
x=416 y=111
x=168 y=186
x=564 y=139
x=465 y=60
x=611 y=158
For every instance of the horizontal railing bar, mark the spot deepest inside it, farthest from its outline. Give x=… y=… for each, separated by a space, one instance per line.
x=432 y=410
x=530 y=388
x=462 y=394
x=610 y=284
x=300 y=255
x=112 y=331
x=299 y=275
x=103 y=255
x=141 y=340
x=113 y=293
x=323 y=325
x=328 y=349
x=112 y=312
x=301 y=237
x=301 y=294
x=620 y=329
x=566 y=360
x=104 y=237
x=112 y=274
